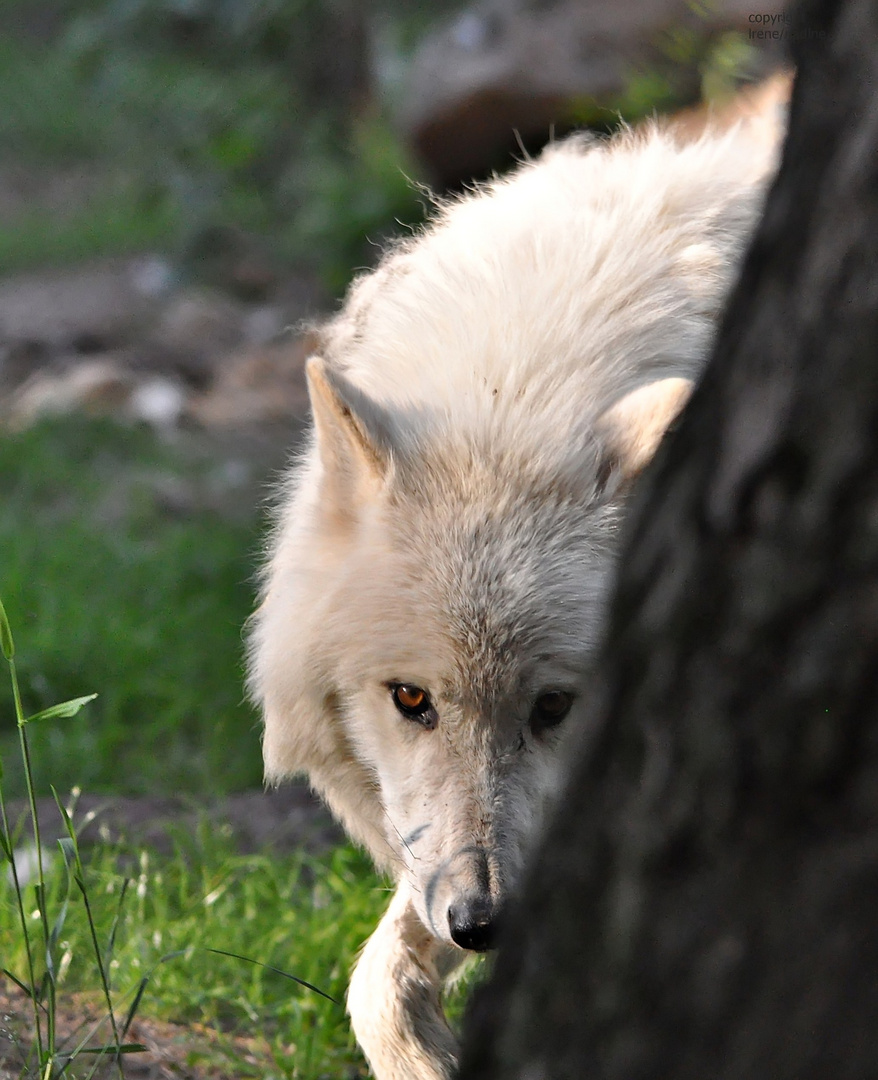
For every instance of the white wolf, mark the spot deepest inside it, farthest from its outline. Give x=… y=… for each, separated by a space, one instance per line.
x=437 y=578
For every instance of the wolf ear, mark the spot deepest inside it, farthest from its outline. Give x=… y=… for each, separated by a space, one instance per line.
x=630 y=431
x=353 y=437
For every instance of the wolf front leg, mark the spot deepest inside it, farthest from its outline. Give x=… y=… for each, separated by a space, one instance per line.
x=394 y=998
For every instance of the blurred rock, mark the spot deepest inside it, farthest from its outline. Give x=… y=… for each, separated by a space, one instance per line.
x=195 y=331
x=107 y=384
x=232 y=260
x=82 y=308
x=153 y=276
x=261 y=384
x=95 y=386
x=159 y=402
x=300 y=298
x=58 y=193
x=123 y=337
x=511 y=69
x=21 y=359
x=263 y=324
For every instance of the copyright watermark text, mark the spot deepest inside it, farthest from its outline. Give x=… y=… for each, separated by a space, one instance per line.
x=781 y=26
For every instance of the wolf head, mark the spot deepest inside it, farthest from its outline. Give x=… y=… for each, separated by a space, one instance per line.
x=441 y=636
x=441 y=564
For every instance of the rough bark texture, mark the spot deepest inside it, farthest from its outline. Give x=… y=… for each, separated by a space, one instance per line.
x=705 y=905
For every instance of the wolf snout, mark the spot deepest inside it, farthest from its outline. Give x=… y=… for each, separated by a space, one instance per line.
x=473 y=924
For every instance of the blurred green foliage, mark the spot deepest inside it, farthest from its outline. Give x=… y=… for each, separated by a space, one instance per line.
x=205 y=115
x=692 y=65
x=206 y=120
x=124 y=573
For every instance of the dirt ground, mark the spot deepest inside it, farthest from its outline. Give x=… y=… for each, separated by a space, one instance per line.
x=287 y=819
x=173 y=1051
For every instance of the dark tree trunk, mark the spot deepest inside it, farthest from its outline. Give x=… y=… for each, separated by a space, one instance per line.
x=705 y=904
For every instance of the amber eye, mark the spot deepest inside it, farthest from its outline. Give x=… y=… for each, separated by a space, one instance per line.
x=549 y=710
x=414 y=703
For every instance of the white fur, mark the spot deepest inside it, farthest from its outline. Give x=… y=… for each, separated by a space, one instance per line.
x=484 y=400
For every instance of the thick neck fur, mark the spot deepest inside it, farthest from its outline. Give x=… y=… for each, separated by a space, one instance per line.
x=600 y=268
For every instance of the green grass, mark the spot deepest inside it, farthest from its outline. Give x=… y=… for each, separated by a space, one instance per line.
x=118 y=933
x=114 y=587
x=302 y=916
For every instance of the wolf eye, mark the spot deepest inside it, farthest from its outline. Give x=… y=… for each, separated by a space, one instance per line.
x=549 y=710
x=414 y=703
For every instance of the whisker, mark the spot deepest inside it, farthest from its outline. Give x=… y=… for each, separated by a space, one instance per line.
x=403 y=840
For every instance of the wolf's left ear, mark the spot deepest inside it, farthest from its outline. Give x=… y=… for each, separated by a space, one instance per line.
x=630 y=431
x=353 y=436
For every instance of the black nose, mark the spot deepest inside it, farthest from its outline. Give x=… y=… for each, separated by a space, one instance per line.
x=473 y=924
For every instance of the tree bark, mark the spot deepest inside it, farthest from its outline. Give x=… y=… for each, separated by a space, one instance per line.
x=705 y=902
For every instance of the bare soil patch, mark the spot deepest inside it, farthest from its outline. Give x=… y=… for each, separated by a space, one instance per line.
x=288 y=819
x=173 y=1051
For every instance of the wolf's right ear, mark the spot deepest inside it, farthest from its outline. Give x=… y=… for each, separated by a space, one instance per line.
x=353 y=437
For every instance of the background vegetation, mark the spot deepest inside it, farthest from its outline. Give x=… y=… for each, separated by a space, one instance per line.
x=191 y=119
x=124 y=576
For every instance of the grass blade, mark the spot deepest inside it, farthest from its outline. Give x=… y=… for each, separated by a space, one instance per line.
x=62 y=710
x=18 y=891
x=125 y=1048
x=133 y=1007
x=24 y=989
x=111 y=939
x=61 y=917
x=7 y=645
x=79 y=877
x=277 y=971
x=69 y=846
x=142 y=985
